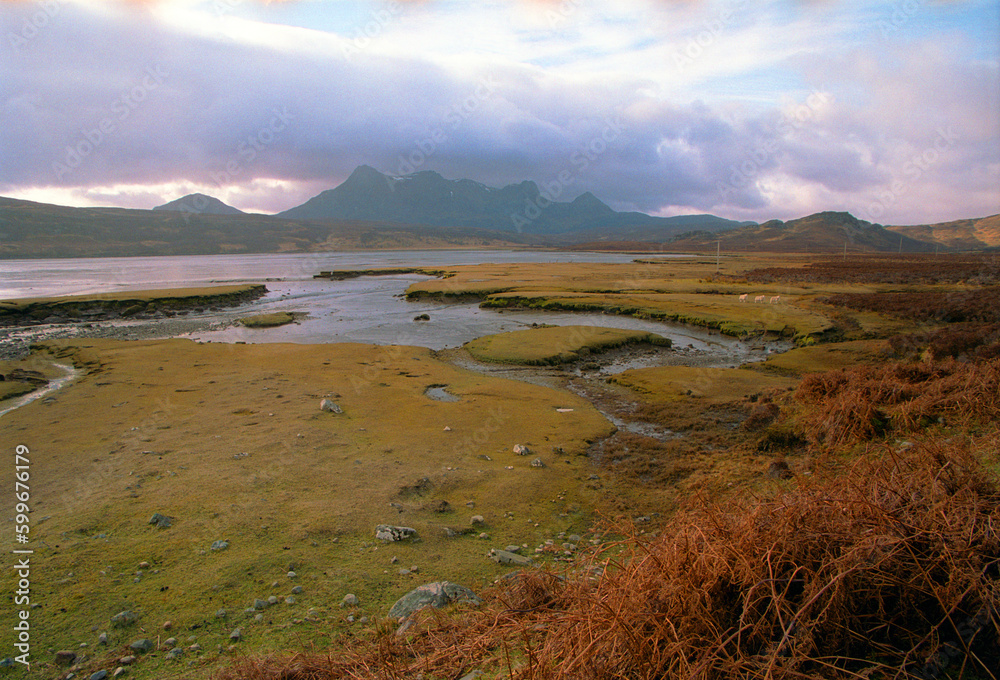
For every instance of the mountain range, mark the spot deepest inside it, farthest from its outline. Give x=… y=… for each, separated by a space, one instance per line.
x=371 y=210
x=428 y=198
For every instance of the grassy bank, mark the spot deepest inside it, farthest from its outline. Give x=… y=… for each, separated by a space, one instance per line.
x=555 y=345
x=100 y=306
x=230 y=443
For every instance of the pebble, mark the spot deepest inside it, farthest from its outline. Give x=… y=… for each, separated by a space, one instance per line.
x=220 y=545
x=221 y=614
x=350 y=600
x=297 y=590
x=477 y=520
x=236 y=635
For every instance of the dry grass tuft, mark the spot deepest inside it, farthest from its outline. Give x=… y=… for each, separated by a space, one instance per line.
x=870 y=400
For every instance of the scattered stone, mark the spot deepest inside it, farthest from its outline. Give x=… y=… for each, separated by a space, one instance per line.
x=436 y=594
x=516 y=549
x=389 y=534
x=170 y=643
x=521 y=450
x=141 y=646
x=194 y=648
x=221 y=614
x=477 y=520
x=350 y=600
x=175 y=653
x=125 y=618
x=259 y=604
x=119 y=672
x=779 y=469
x=144 y=565
x=422 y=317
x=297 y=590
x=509 y=558
x=99 y=675
x=330 y=406
x=290 y=599
x=272 y=600
x=167 y=625
x=575 y=538
x=484 y=536
x=102 y=639
x=65 y=657
x=127 y=660
x=447 y=429
x=220 y=545
x=236 y=635
x=537 y=463
x=291 y=574
x=161 y=521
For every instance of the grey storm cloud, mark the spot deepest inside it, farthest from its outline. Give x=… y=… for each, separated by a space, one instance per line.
x=97 y=99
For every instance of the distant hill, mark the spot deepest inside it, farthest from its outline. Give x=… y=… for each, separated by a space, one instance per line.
x=35 y=230
x=428 y=198
x=200 y=204
x=822 y=232
x=973 y=234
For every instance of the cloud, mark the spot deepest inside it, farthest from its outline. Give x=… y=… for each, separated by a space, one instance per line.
x=776 y=114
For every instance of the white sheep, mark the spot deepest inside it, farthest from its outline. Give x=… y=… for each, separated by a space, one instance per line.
x=760 y=298
x=774 y=300
x=743 y=298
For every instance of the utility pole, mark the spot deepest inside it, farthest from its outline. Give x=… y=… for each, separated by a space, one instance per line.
x=718 y=251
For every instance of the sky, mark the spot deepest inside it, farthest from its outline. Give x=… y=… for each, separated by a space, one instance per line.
x=750 y=110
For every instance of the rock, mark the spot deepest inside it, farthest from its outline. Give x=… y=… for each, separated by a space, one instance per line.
x=127 y=660
x=175 y=653
x=7 y=662
x=161 y=521
x=509 y=558
x=290 y=599
x=167 y=625
x=65 y=658
x=99 y=675
x=575 y=538
x=221 y=614
x=297 y=590
x=521 y=450
x=259 y=604
x=125 y=618
x=142 y=645
x=516 y=549
x=389 y=534
x=272 y=600
x=350 y=600
x=236 y=635
x=477 y=520
x=330 y=406
x=102 y=639
x=291 y=574
x=422 y=317
x=220 y=545
x=145 y=565
x=537 y=463
x=170 y=643
x=436 y=594
x=119 y=672
x=779 y=469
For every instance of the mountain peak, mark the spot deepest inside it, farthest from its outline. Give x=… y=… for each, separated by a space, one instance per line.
x=200 y=204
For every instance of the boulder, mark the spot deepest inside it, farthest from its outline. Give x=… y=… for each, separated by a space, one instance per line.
x=125 y=618
x=387 y=533
x=436 y=594
x=161 y=521
x=509 y=558
x=330 y=406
